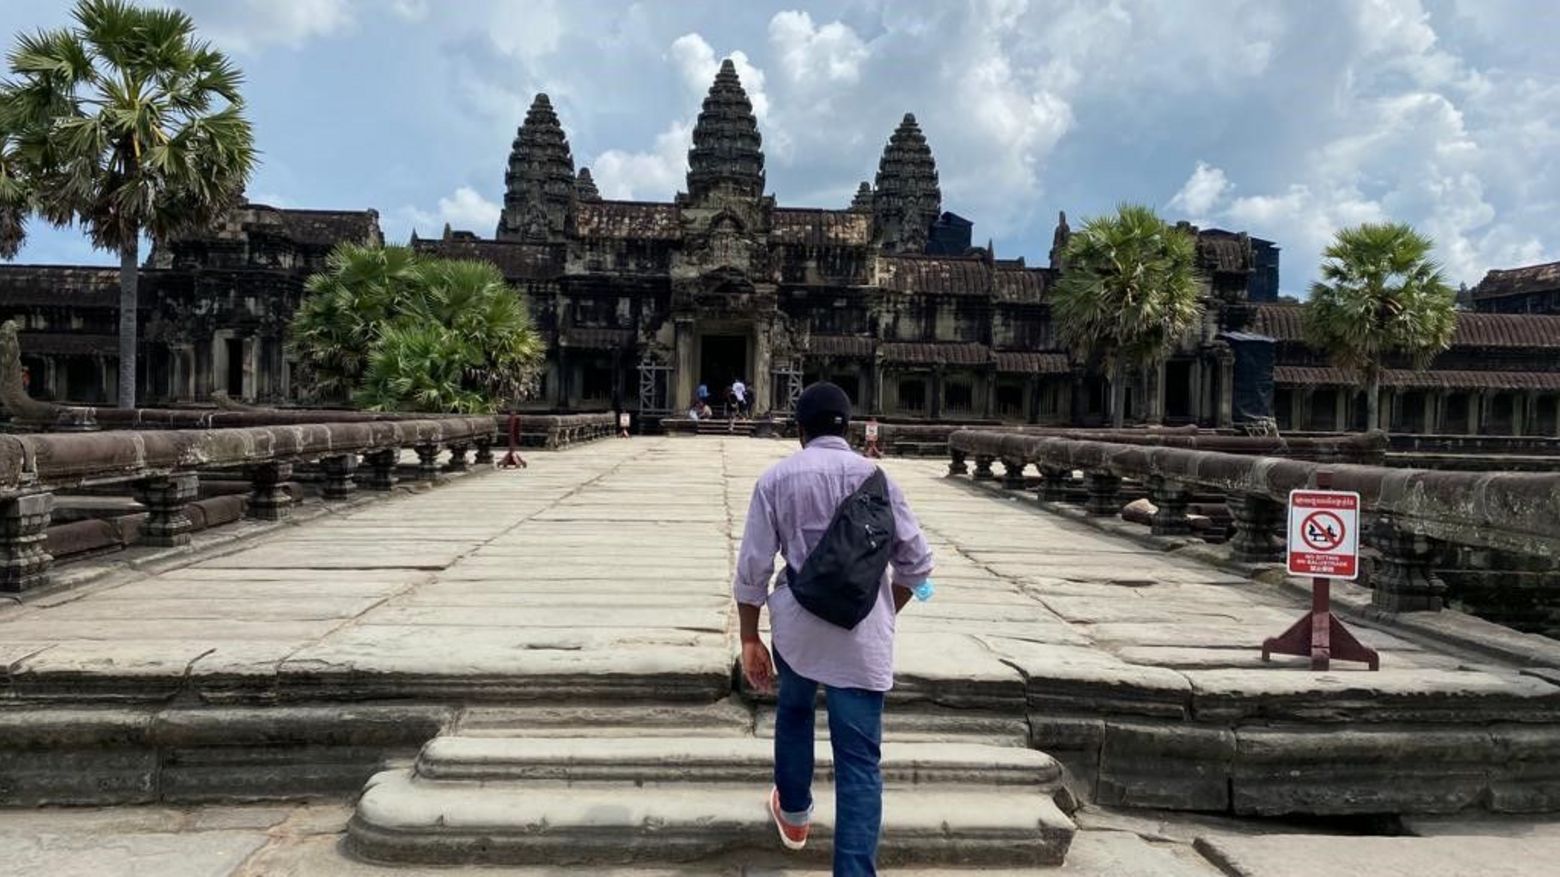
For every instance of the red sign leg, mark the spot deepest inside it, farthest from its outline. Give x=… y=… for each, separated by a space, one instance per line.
x=1320 y=635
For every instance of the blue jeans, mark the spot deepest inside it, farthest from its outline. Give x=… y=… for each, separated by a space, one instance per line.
x=856 y=732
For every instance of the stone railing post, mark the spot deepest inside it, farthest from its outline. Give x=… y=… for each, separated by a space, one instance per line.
x=1104 y=493
x=956 y=463
x=1170 y=500
x=166 y=498
x=268 y=496
x=24 y=555
x=339 y=470
x=381 y=469
x=457 y=461
x=1013 y=474
x=427 y=462
x=1053 y=484
x=1403 y=580
x=983 y=468
x=484 y=452
x=1256 y=523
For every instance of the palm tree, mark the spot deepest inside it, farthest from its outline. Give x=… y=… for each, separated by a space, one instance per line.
x=392 y=330
x=1380 y=296
x=1127 y=293
x=127 y=124
x=347 y=306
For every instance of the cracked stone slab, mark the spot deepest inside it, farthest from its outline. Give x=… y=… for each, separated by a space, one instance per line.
x=1281 y=855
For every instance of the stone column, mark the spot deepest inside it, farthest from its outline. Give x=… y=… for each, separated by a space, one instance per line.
x=484 y=452
x=956 y=463
x=760 y=376
x=24 y=555
x=1154 y=393
x=989 y=403
x=1013 y=474
x=1403 y=580
x=1256 y=520
x=457 y=461
x=684 y=367
x=1104 y=489
x=1170 y=500
x=936 y=406
x=1226 y=388
x=427 y=462
x=381 y=473
x=268 y=497
x=166 y=499
x=983 y=468
x=1197 y=390
x=1053 y=484
x=339 y=470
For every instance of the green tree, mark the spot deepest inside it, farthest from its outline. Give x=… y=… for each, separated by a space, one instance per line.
x=128 y=125
x=1380 y=297
x=345 y=311
x=394 y=331
x=1128 y=292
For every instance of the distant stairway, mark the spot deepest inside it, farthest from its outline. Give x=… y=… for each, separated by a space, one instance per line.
x=613 y=796
x=725 y=427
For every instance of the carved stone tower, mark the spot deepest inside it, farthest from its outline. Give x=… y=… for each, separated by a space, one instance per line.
x=539 y=185
x=585 y=187
x=727 y=157
x=862 y=203
x=906 y=199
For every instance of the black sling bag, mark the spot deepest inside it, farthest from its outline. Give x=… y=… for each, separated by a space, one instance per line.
x=842 y=576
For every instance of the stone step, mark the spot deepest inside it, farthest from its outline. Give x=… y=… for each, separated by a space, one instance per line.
x=749 y=761
x=405 y=818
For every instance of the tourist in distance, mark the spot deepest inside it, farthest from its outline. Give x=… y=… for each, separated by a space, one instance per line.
x=739 y=393
x=831 y=618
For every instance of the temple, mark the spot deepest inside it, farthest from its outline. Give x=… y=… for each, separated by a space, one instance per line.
x=641 y=302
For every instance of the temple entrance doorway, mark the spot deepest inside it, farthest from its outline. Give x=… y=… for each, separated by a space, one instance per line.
x=723 y=359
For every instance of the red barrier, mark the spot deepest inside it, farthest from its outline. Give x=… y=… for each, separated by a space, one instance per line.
x=513 y=460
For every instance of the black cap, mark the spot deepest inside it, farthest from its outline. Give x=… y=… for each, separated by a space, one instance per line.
x=823 y=409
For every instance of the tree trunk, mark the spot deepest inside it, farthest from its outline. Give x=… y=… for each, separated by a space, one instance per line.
x=1118 y=394
x=128 y=279
x=1373 y=400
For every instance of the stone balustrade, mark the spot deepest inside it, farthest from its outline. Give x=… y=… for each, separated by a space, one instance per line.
x=1409 y=513
x=553 y=431
x=932 y=439
x=160 y=467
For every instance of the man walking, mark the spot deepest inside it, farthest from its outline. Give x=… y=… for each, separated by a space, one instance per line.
x=793 y=505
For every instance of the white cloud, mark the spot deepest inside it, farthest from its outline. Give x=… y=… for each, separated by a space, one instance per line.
x=1204 y=189
x=696 y=62
x=657 y=174
x=528 y=30
x=824 y=55
x=249 y=25
x=464 y=210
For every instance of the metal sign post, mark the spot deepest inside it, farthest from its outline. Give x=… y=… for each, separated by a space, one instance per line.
x=872 y=449
x=513 y=460
x=1324 y=543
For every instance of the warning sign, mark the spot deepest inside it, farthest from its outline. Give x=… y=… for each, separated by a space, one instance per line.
x=1324 y=533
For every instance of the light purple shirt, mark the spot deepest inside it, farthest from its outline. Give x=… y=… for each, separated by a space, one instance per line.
x=792 y=505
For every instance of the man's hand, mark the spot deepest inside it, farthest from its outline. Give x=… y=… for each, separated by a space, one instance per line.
x=757 y=668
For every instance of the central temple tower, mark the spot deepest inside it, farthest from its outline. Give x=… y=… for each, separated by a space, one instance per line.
x=723 y=288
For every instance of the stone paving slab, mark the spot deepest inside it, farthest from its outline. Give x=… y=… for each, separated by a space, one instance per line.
x=1309 y=855
x=604 y=571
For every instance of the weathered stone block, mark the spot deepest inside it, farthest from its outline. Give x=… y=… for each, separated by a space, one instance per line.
x=1343 y=770
x=167 y=500
x=1172 y=765
x=24 y=524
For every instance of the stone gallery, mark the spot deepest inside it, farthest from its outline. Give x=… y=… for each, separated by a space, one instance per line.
x=642 y=302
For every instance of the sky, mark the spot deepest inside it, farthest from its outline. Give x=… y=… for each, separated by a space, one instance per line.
x=1288 y=120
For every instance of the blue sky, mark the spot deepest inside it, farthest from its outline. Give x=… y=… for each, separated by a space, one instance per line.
x=1284 y=119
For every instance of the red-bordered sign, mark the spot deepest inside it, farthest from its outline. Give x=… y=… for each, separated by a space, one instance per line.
x=1324 y=533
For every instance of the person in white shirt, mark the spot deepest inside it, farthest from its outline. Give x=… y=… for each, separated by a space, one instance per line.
x=739 y=390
